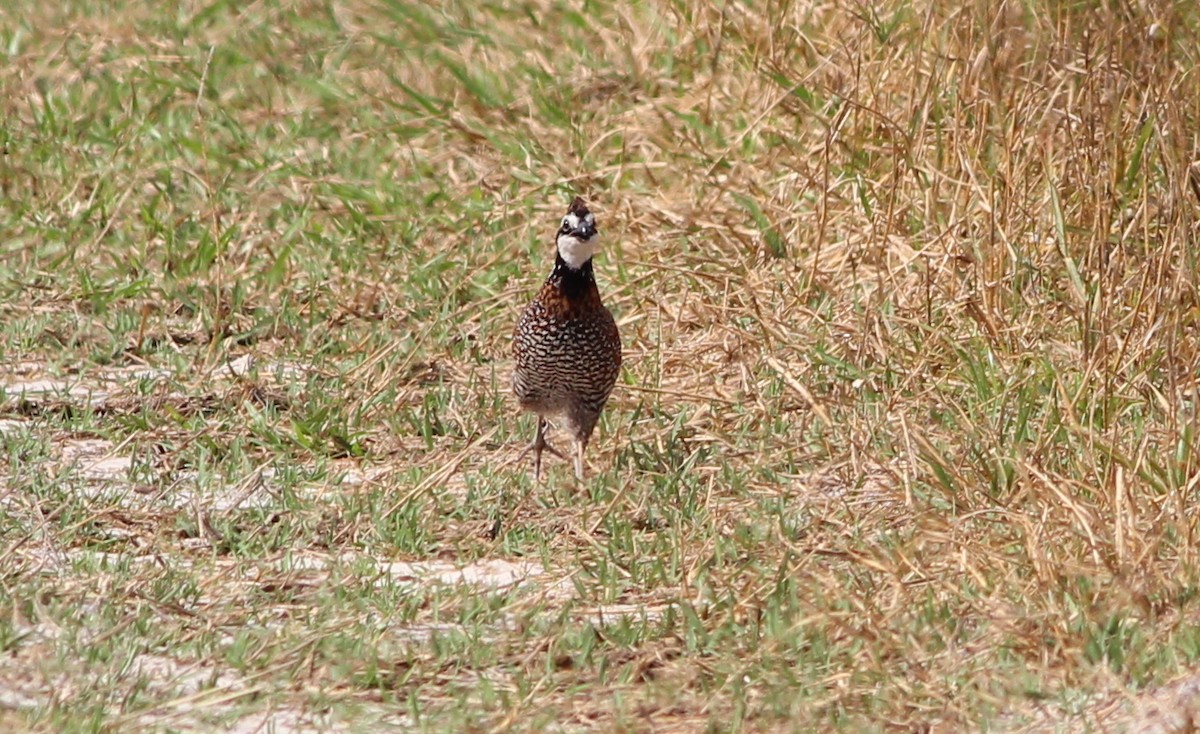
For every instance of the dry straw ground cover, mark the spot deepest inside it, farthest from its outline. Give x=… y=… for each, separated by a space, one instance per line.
x=906 y=438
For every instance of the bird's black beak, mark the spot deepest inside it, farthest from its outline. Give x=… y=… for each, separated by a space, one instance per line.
x=584 y=231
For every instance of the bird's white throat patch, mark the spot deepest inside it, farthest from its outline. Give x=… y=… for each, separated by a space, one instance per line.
x=575 y=252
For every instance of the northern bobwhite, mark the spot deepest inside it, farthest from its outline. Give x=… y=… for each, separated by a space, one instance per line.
x=566 y=344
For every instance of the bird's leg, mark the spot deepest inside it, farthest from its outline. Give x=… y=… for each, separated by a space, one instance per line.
x=579 y=448
x=538 y=446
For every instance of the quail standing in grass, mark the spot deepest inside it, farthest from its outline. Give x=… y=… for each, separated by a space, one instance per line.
x=566 y=344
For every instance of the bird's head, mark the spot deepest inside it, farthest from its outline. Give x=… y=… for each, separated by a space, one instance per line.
x=577 y=239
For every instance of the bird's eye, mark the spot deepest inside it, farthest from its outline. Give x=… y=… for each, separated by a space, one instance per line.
x=566 y=226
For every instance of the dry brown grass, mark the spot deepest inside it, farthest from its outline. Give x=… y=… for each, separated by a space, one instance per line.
x=907 y=439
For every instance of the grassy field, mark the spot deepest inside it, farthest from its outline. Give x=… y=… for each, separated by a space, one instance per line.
x=906 y=439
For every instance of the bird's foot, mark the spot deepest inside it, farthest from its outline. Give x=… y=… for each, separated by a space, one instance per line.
x=537 y=446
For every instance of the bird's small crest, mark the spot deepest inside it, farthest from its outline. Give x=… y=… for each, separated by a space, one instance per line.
x=578 y=207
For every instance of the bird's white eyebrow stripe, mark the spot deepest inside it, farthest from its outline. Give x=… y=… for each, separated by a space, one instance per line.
x=573 y=221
